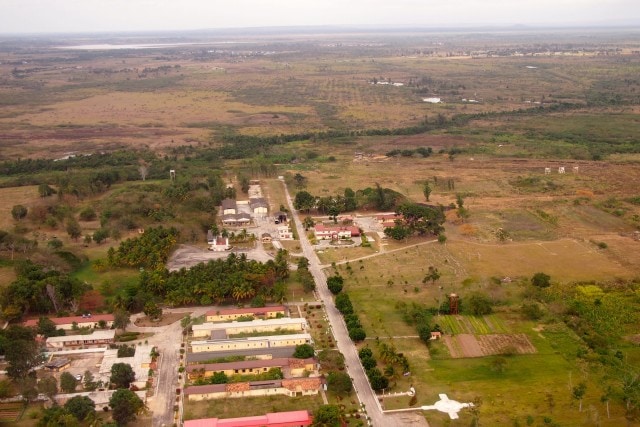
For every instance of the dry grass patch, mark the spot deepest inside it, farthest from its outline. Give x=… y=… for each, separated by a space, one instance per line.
x=27 y=196
x=565 y=259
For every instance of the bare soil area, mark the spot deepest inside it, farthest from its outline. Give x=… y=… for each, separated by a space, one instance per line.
x=467 y=345
x=167 y=319
x=188 y=256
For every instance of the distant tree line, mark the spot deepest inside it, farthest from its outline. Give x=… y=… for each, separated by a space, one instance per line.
x=374 y=198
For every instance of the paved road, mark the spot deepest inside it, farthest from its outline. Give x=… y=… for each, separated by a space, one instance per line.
x=344 y=343
x=167 y=339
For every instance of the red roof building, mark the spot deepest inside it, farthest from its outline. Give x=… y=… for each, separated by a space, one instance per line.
x=90 y=321
x=275 y=419
x=322 y=232
x=226 y=314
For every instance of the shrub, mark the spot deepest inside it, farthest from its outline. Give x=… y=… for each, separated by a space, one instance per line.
x=365 y=352
x=541 y=280
x=335 y=284
x=357 y=334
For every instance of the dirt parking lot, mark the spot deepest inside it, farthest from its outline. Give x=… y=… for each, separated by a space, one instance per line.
x=187 y=256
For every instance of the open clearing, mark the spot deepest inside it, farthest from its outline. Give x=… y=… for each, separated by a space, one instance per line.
x=467 y=345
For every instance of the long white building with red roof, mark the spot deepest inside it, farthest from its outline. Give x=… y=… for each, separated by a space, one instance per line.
x=67 y=323
x=230 y=314
x=274 y=419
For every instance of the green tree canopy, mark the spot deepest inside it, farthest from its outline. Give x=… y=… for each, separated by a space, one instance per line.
x=58 y=416
x=152 y=311
x=68 y=382
x=18 y=212
x=303 y=351
x=339 y=383
x=304 y=201
x=479 y=304
x=122 y=375
x=81 y=407
x=73 y=229
x=327 y=416
x=48 y=386
x=541 y=280
x=22 y=356
x=335 y=284
x=121 y=319
x=125 y=405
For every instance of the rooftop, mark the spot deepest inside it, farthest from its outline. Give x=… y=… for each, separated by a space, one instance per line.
x=96 y=335
x=266 y=338
x=250 y=364
x=95 y=318
x=263 y=353
x=280 y=419
x=284 y=321
x=229 y=204
x=250 y=310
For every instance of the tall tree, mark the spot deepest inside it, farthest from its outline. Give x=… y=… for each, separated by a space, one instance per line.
x=578 y=393
x=122 y=375
x=121 y=319
x=152 y=311
x=327 y=416
x=81 y=407
x=73 y=229
x=58 y=416
x=22 y=356
x=68 y=382
x=339 y=383
x=49 y=387
x=125 y=405
x=304 y=201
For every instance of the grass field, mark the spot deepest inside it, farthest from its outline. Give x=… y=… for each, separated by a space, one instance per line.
x=529 y=381
x=27 y=196
x=248 y=406
x=460 y=324
x=523 y=389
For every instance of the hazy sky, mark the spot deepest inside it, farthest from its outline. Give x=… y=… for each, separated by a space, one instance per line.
x=26 y=16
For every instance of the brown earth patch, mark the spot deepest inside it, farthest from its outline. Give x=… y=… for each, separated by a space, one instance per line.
x=467 y=345
x=633 y=338
x=167 y=319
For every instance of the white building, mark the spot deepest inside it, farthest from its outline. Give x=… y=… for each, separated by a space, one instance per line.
x=73 y=342
x=285 y=233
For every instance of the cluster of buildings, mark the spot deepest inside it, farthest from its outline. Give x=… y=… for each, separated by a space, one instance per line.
x=100 y=337
x=263 y=339
x=90 y=336
x=252 y=334
x=323 y=232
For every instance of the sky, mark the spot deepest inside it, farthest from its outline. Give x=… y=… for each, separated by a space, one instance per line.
x=63 y=16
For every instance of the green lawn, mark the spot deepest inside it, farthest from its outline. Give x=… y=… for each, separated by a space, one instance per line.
x=519 y=391
x=461 y=324
x=248 y=406
x=108 y=281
